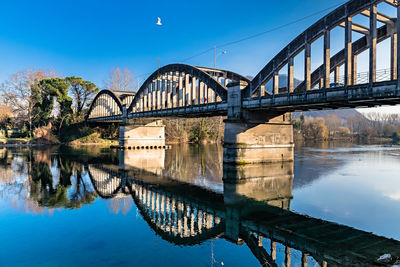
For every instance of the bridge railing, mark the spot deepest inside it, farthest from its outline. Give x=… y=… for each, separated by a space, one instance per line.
x=363 y=78
x=337 y=82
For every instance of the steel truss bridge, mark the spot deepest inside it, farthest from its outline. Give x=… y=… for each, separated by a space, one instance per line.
x=184 y=214
x=184 y=90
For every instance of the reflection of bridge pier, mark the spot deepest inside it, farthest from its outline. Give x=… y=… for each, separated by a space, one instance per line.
x=151 y=161
x=249 y=188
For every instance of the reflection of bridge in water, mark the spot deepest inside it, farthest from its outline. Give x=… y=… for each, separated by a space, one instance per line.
x=254 y=205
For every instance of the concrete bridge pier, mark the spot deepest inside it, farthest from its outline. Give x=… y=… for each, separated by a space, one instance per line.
x=255 y=136
x=142 y=134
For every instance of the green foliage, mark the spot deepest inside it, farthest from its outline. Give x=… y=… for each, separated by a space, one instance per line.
x=51 y=89
x=82 y=92
x=297 y=124
x=302 y=119
x=75 y=131
x=111 y=131
x=79 y=133
x=199 y=132
x=396 y=137
x=31 y=95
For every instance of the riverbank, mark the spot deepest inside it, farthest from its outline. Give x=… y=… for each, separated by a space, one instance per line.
x=96 y=141
x=84 y=141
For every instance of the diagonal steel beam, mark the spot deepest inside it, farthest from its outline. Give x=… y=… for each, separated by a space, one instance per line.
x=356 y=27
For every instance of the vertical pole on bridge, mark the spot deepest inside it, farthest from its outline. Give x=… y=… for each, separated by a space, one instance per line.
x=174 y=88
x=145 y=99
x=153 y=95
x=348 y=51
x=288 y=259
x=307 y=66
x=261 y=91
x=398 y=47
x=153 y=88
x=187 y=90
x=327 y=58
x=140 y=103
x=200 y=90
x=180 y=90
x=149 y=97
x=207 y=94
x=290 y=75
x=337 y=74
x=276 y=82
x=273 y=250
x=393 y=56
x=169 y=90
x=194 y=91
x=354 y=68
x=158 y=94
x=163 y=92
x=372 y=41
x=260 y=240
x=304 y=259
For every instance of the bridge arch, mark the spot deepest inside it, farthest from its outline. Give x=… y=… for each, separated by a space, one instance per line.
x=341 y=16
x=181 y=85
x=105 y=106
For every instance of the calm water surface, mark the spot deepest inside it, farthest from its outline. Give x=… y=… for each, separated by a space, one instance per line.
x=336 y=205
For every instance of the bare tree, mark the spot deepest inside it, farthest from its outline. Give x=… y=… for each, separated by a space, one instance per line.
x=332 y=122
x=120 y=81
x=5 y=112
x=20 y=90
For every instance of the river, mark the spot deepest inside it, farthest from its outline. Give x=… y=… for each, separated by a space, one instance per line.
x=335 y=205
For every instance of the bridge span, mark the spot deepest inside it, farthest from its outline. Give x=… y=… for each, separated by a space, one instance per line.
x=258 y=126
x=254 y=212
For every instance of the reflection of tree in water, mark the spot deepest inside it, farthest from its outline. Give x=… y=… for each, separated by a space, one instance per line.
x=39 y=180
x=13 y=169
x=71 y=176
x=83 y=194
x=5 y=166
x=117 y=205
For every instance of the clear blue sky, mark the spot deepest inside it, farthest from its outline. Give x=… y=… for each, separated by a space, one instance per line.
x=88 y=38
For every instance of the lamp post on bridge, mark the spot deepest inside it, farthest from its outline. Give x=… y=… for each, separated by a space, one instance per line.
x=215 y=56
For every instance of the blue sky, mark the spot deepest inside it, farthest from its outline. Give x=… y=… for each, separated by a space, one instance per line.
x=89 y=38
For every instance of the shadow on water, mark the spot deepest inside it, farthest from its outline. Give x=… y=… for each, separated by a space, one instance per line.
x=188 y=200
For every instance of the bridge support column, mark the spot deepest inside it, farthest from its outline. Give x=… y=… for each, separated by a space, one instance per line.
x=142 y=134
x=255 y=136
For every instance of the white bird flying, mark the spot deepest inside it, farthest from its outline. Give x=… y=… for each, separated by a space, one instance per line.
x=158 y=21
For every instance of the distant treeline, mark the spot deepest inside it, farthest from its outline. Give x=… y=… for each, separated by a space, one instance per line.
x=356 y=126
